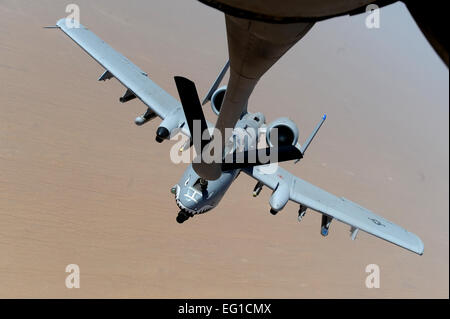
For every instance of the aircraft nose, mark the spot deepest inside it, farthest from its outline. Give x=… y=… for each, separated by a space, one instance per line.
x=192 y=200
x=185 y=200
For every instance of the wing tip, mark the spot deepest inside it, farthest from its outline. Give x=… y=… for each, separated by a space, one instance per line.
x=421 y=247
x=417 y=248
x=60 y=22
x=63 y=24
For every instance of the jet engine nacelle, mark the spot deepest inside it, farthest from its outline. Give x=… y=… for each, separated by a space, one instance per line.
x=217 y=99
x=280 y=198
x=283 y=130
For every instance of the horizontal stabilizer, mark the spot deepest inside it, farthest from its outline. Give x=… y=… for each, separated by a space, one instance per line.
x=269 y=155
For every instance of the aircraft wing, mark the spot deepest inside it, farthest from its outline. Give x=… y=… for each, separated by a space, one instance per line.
x=132 y=77
x=340 y=209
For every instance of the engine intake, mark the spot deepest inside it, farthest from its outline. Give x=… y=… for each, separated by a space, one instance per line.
x=282 y=132
x=217 y=99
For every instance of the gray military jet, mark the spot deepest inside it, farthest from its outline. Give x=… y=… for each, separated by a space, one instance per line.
x=201 y=188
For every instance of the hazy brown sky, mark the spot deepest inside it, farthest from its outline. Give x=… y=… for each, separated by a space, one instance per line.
x=80 y=183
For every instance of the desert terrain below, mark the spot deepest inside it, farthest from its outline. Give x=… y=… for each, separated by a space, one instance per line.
x=81 y=184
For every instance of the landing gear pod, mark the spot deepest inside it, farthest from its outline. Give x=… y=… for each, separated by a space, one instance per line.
x=279 y=198
x=162 y=134
x=169 y=124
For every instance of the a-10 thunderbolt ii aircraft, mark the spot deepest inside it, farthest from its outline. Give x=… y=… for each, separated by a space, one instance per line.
x=195 y=194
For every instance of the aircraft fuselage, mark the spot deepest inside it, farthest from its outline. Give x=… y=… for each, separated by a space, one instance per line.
x=193 y=197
